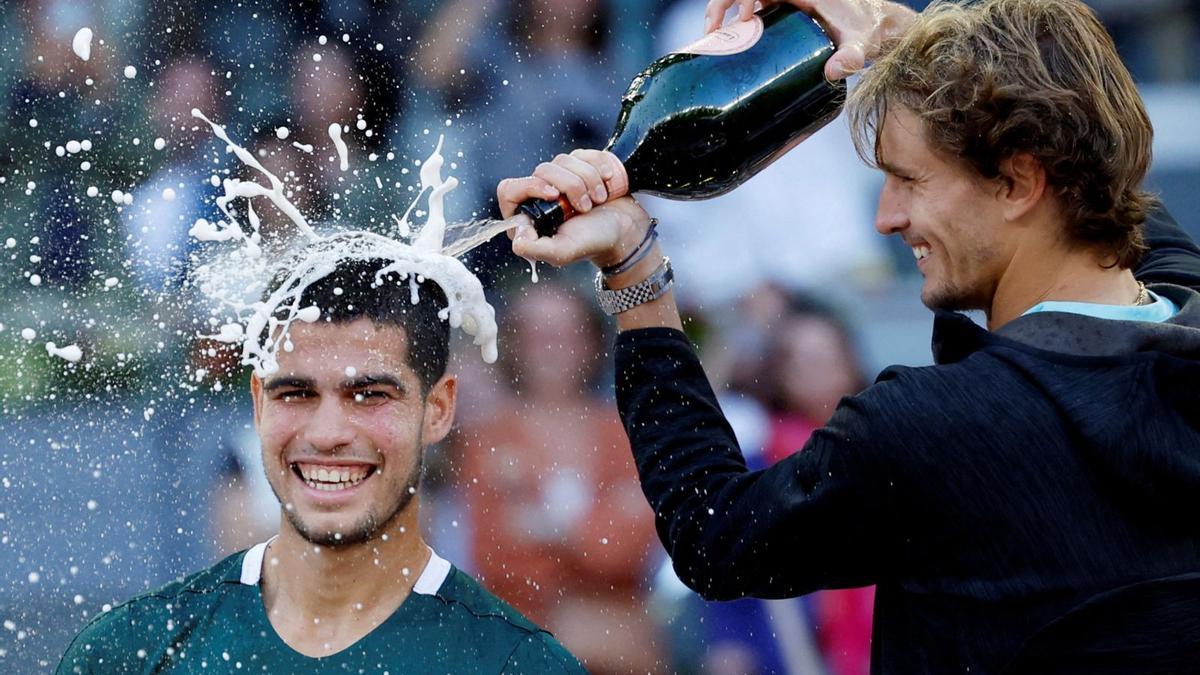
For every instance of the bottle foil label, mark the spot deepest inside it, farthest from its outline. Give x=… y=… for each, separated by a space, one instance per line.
x=734 y=38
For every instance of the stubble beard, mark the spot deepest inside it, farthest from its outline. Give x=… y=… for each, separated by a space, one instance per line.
x=370 y=525
x=950 y=296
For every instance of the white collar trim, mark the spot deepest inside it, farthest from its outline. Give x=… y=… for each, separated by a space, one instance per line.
x=430 y=581
x=433 y=576
x=253 y=561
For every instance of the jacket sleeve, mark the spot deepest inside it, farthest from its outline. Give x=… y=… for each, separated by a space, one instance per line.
x=1173 y=257
x=818 y=519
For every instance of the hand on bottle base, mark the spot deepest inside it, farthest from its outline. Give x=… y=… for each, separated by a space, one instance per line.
x=858 y=27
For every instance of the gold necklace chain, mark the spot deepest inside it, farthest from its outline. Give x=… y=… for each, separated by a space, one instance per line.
x=1143 y=296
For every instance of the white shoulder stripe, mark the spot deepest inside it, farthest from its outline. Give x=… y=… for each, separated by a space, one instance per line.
x=253 y=561
x=433 y=576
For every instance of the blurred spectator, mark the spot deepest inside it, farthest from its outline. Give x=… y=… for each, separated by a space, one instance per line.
x=791 y=359
x=559 y=525
x=158 y=221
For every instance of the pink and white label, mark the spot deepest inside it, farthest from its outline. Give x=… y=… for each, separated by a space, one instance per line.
x=732 y=39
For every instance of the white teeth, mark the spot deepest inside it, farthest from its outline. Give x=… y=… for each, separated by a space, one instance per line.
x=920 y=251
x=332 y=479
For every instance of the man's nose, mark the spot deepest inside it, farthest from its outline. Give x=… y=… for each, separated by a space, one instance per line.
x=330 y=426
x=891 y=216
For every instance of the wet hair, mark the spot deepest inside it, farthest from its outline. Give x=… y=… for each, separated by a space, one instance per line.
x=995 y=78
x=350 y=293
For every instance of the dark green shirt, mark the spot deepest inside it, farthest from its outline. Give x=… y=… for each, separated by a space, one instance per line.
x=215 y=621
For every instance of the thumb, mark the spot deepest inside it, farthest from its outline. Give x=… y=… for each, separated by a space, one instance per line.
x=527 y=244
x=847 y=60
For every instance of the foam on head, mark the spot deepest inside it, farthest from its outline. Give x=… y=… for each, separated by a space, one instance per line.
x=266 y=297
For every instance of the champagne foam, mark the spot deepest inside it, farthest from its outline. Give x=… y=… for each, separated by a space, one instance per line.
x=238 y=278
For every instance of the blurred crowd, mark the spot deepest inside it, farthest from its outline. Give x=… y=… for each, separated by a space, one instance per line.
x=140 y=463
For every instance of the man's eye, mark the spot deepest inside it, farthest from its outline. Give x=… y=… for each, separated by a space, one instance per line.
x=294 y=395
x=373 y=395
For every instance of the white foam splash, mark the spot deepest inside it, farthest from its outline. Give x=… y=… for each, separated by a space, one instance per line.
x=242 y=277
x=434 y=232
x=268 y=321
x=335 y=133
x=235 y=188
x=70 y=353
x=81 y=44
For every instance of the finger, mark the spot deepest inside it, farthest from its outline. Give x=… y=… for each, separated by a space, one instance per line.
x=523 y=229
x=510 y=192
x=714 y=14
x=745 y=9
x=567 y=182
x=553 y=250
x=590 y=173
x=598 y=159
x=847 y=60
x=616 y=180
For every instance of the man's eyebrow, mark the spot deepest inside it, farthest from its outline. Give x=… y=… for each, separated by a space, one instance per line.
x=288 y=382
x=888 y=167
x=364 y=381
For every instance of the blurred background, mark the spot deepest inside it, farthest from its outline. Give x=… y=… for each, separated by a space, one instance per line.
x=139 y=463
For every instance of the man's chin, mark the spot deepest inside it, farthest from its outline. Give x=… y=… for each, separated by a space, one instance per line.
x=333 y=535
x=943 y=300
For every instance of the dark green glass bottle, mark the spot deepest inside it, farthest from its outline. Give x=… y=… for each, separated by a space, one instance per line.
x=701 y=121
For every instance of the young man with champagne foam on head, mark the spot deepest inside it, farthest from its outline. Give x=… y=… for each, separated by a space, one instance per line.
x=349 y=584
x=1018 y=504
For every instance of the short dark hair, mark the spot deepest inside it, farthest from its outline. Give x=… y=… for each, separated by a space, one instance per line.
x=350 y=293
x=994 y=78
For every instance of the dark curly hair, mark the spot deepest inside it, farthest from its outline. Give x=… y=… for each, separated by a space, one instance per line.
x=995 y=78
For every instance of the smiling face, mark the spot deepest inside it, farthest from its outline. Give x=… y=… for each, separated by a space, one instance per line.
x=343 y=424
x=950 y=217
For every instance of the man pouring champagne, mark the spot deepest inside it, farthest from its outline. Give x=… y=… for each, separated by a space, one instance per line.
x=1016 y=504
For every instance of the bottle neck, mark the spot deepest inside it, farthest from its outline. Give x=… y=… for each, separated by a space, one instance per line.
x=623 y=145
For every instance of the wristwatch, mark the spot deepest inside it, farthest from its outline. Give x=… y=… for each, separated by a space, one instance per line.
x=624 y=299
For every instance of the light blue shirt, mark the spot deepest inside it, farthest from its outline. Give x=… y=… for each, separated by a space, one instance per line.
x=1156 y=312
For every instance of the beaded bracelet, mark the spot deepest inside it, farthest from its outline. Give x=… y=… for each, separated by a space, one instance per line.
x=637 y=254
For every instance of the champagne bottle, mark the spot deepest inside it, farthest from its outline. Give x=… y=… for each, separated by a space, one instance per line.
x=701 y=121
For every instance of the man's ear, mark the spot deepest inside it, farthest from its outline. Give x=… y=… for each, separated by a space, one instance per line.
x=256 y=394
x=439 y=409
x=1023 y=184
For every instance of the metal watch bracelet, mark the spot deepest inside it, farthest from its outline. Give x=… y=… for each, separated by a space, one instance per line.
x=624 y=299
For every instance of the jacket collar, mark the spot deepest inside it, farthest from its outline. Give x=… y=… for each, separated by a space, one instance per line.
x=955 y=336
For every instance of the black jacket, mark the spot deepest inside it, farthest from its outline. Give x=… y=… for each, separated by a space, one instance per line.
x=1029 y=504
